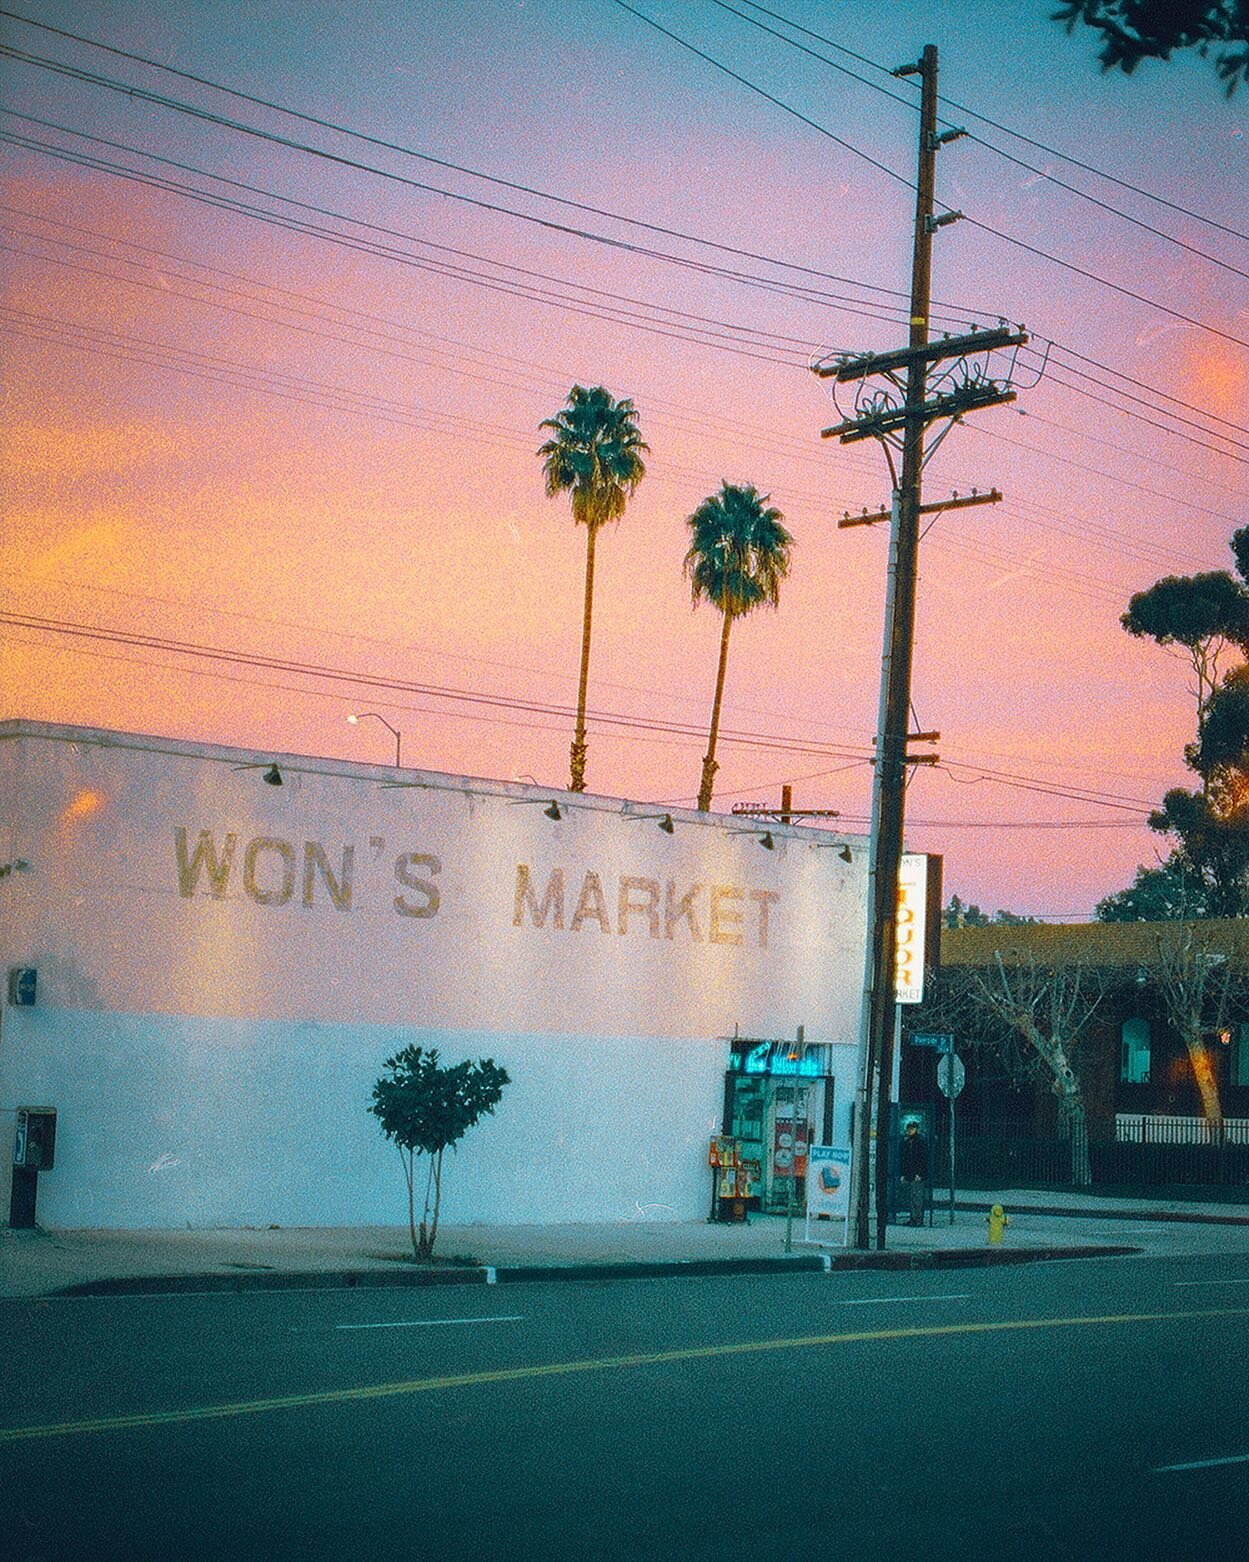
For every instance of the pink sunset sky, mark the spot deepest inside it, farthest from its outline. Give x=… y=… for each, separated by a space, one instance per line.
x=280 y=397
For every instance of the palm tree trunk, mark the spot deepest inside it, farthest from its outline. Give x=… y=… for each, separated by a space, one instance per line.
x=577 y=755
x=709 y=759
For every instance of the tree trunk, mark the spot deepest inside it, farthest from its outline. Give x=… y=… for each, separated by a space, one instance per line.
x=709 y=759
x=1075 y=1123
x=1072 y=1118
x=577 y=753
x=409 y=1173
x=425 y=1247
x=1207 y=1083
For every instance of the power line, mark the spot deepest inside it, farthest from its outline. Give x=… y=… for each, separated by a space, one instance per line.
x=288 y=143
x=623 y=721
x=747 y=279
x=683 y=321
x=975 y=222
x=460 y=168
x=1019 y=162
x=1017 y=135
x=342 y=398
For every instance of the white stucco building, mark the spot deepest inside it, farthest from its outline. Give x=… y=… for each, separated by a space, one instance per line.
x=222 y=965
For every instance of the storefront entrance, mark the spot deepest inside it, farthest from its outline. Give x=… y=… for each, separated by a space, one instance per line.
x=778 y=1099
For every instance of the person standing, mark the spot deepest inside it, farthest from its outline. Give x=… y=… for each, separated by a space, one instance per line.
x=914 y=1166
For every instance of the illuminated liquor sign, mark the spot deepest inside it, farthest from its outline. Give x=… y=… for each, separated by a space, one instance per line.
x=912 y=913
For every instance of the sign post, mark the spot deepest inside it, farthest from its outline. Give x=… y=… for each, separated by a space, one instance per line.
x=951 y=1076
x=800 y=1048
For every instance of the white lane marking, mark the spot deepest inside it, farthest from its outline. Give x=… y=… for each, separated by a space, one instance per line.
x=874 y=1301
x=1202 y=1464
x=1212 y=1282
x=429 y=1323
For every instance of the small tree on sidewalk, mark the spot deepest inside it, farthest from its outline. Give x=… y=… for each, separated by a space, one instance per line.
x=424 y=1106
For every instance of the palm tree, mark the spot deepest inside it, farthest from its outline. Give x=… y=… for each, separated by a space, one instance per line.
x=596 y=453
x=738 y=556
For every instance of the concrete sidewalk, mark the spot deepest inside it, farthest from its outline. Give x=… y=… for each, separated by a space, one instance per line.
x=1042 y=1226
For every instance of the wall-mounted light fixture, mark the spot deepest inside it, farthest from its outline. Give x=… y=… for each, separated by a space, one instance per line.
x=664 y=821
x=552 y=809
x=766 y=841
x=843 y=851
x=272 y=776
x=358 y=716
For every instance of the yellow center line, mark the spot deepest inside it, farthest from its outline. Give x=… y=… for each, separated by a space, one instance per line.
x=362 y=1392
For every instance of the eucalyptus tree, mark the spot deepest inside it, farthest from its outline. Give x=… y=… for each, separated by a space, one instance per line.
x=1208 y=616
x=1135 y=30
x=738 y=555
x=595 y=454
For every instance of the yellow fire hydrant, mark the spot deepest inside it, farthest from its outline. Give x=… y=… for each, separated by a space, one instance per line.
x=998 y=1220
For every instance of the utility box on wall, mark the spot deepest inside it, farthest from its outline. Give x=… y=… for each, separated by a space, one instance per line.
x=34 y=1146
x=34 y=1143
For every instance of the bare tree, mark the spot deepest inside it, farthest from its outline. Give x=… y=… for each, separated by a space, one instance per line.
x=1033 y=1015
x=1200 y=969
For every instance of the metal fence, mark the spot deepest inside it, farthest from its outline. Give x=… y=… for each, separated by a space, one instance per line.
x=1175 y=1159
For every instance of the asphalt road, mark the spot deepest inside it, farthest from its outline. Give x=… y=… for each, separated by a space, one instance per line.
x=1032 y=1412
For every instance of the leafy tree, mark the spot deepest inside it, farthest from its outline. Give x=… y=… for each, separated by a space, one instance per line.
x=1209 y=870
x=1222 y=752
x=1136 y=30
x=595 y=453
x=738 y=555
x=1168 y=893
x=424 y=1106
x=1203 y=613
x=1213 y=848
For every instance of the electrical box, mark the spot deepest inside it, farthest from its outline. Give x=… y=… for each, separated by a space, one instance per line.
x=23 y=981
x=34 y=1143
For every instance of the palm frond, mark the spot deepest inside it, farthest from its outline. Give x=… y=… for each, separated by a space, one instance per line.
x=739 y=550
x=595 y=454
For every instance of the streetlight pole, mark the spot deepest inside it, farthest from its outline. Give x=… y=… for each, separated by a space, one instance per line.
x=394 y=731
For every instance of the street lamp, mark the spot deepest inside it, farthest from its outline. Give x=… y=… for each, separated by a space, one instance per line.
x=394 y=731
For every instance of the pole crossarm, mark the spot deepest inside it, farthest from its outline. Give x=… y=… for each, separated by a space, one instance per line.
x=766 y=811
x=875 y=425
x=957 y=502
x=932 y=352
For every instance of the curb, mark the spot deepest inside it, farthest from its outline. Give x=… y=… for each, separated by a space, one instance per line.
x=975 y=1257
x=1174 y=1216
x=519 y=1274
x=274 y=1280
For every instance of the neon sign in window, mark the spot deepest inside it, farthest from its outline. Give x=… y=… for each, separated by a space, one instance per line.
x=783 y=1058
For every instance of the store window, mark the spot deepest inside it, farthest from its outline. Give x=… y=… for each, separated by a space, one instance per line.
x=1134 y=1052
x=811 y=1060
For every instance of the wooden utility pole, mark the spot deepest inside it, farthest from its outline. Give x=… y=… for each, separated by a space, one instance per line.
x=886 y=421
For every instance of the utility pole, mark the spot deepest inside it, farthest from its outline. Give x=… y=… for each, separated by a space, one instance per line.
x=883 y=416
